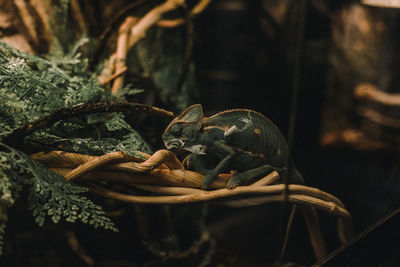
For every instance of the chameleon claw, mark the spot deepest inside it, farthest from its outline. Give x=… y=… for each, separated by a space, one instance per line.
x=231 y=186
x=234 y=181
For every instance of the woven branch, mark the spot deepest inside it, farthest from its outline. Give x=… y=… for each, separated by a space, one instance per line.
x=163 y=173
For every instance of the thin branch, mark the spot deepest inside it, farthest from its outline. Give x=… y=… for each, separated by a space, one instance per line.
x=223 y=193
x=314 y=230
x=105 y=81
x=158 y=158
x=287 y=232
x=267 y=180
x=180 y=186
x=201 y=5
x=370 y=92
x=83 y=109
x=36 y=28
x=78 y=248
x=116 y=22
x=379 y=118
x=173 y=176
x=344 y=230
x=127 y=39
x=78 y=15
x=119 y=57
x=98 y=161
x=138 y=28
x=192 y=250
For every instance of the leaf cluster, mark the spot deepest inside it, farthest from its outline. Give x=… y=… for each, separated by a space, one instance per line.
x=30 y=88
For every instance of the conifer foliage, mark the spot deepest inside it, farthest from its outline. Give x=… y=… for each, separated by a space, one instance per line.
x=30 y=88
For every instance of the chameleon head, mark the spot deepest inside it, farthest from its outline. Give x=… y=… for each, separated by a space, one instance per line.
x=183 y=131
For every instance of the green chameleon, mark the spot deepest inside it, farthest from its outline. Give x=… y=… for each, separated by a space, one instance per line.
x=239 y=139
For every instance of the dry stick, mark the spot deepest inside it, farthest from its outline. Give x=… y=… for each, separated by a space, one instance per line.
x=223 y=193
x=121 y=52
x=105 y=81
x=158 y=158
x=98 y=161
x=167 y=157
x=78 y=15
x=379 y=118
x=314 y=230
x=150 y=19
x=298 y=193
x=369 y=92
x=137 y=32
x=119 y=18
x=331 y=206
x=27 y=19
x=344 y=230
x=125 y=173
x=37 y=32
x=192 y=250
x=201 y=5
x=65 y=113
x=68 y=159
x=78 y=248
x=315 y=235
x=269 y=179
x=169 y=190
x=287 y=233
x=309 y=213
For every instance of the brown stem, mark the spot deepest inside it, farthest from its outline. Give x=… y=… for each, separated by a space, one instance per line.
x=287 y=232
x=78 y=15
x=370 y=92
x=65 y=113
x=117 y=73
x=379 y=117
x=78 y=248
x=119 y=18
x=178 y=186
x=121 y=52
x=301 y=198
x=314 y=231
x=133 y=30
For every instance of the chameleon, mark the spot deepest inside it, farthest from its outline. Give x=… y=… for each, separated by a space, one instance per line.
x=241 y=140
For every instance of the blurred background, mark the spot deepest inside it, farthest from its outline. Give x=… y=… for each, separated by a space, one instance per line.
x=324 y=71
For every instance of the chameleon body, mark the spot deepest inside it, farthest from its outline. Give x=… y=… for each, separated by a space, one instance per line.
x=241 y=140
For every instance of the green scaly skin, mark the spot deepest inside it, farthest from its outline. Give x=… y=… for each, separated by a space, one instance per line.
x=241 y=140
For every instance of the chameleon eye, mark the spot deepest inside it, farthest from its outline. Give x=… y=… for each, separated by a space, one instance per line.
x=176 y=129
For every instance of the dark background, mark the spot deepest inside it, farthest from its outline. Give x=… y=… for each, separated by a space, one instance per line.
x=245 y=56
x=241 y=64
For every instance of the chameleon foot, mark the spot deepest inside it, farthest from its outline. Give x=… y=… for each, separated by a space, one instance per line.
x=207 y=180
x=231 y=185
x=235 y=180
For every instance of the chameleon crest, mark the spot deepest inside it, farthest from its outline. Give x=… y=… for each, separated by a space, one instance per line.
x=241 y=140
x=183 y=131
